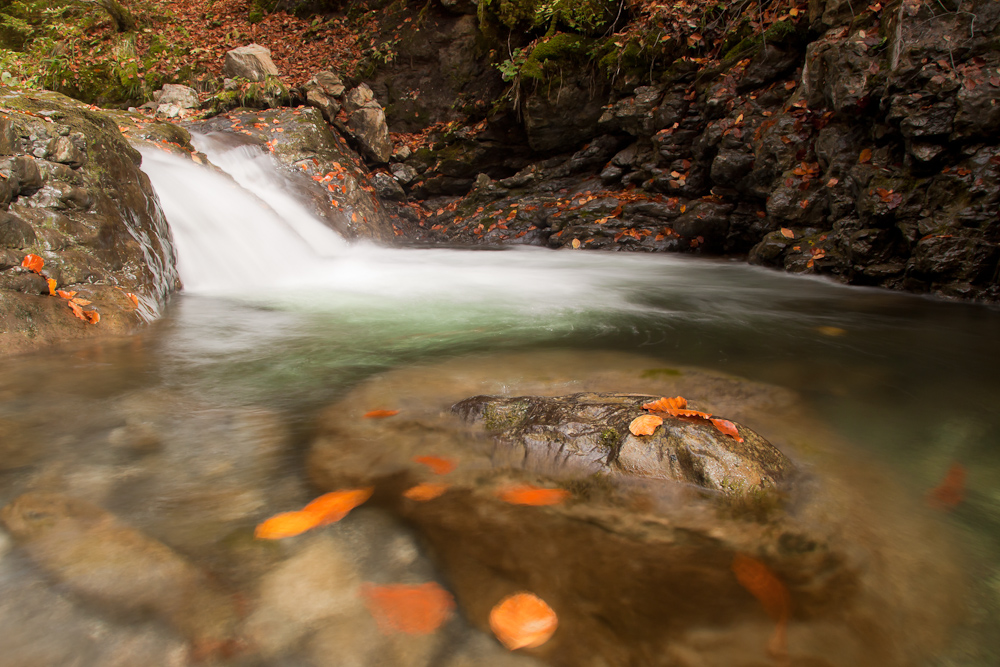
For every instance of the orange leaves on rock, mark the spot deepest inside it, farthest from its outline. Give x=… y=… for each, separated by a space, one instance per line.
x=380 y=414
x=412 y=609
x=676 y=407
x=64 y=294
x=328 y=508
x=133 y=298
x=33 y=263
x=527 y=494
x=52 y=286
x=437 y=464
x=523 y=620
x=426 y=491
x=787 y=233
x=758 y=579
x=644 y=424
x=951 y=491
x=727 y=427
x=889 y=197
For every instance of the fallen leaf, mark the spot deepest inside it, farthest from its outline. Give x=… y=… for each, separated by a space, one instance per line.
x=527 y=494
x=666 y=404
x=64 y=294
x=787 y=233
x=523 y=620
x=80 y=302
x=727 y=427
x=52 y=286
x=866 y=156
x=425 y=491
x=334 y=506
x=437 y=464
x=77 y=311
x=832 y=182
x=33 y=263
x=133 y=298
x=758 y=579
x=576 y=243
x=831 y=331
x=418 y=609
x=380 y=414
x=92 y=316
x=286 y=524
x=951 y=491
x=645 y=425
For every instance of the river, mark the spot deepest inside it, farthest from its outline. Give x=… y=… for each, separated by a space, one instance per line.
x=280 y=318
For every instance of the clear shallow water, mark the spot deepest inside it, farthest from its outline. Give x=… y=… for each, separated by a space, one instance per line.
x=224 y=390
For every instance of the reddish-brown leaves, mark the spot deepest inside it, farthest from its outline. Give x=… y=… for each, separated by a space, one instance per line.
x=645 y=425
x=727 y=427
x=437 y=464
x=666 y=404
x=787 y=233
x=380 y=414
x=426 y=491
x=523 y=620
x=418 y=609
x=33 y=263
x=527 y=494
x=676 y=407
x=758 y=579
x=951 y=491
x=866 y=156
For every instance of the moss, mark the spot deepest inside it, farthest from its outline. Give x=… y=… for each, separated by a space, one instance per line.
x=654 y=373
x=759 y=503
x=503 y=417
x=781 y=32
x=583 y=16
x=745 y=48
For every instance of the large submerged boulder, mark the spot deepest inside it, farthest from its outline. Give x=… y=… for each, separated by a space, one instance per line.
x=637 y=560
x=73 y=194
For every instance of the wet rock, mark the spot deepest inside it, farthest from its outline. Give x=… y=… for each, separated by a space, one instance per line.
x=14 y=232
x=562 y=118
x=770 y=63
x=91 y=553
x=705 y=219
x=729 y=166
x=633 y=114
x=366 y=123
x=590 y=431
x=404 y=173
x=64 y=150
x=387 y=187
x=252 y=62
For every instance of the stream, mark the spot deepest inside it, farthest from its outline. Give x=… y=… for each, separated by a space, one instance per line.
x=197 y=429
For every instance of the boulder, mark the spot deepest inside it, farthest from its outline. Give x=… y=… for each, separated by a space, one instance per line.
x=183 y=97
x=366 y=123
x=252 y=62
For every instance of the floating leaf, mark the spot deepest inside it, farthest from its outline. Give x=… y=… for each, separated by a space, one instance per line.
x=644 y=424
x=414 y=609
x=380 y=414
x=523 y=620
x=33 y=263
x=666 y=404
x=727 y=427
x=951 y=491
x=334 y=506
x=286 y=524
x=527 y=494
x=426 y=491
x=758 y=579
x=437 y=464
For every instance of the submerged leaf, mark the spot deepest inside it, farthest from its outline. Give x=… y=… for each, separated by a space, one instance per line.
x=334 y=506
x=380 y=414
x=644 y=424
x=437 y=464
x=414 y=609
x=286 y=524
x=426 y=491
x=758 y=579
x=527 y=494
x=523 y=620
x=951 y=491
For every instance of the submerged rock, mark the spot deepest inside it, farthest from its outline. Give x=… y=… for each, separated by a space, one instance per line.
x=110 y=564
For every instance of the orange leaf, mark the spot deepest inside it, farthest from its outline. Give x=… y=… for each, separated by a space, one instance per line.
x=527 y=494
x=523 y=620
x=92 y=316
x=77 y=310
x=727 y=427
x=866 y=156
x=286 y=524
x=33 y=263
x=334 y=506
x=690 y=413
x=763 y=584
x=951 y=491
x=666 y=404
x=414 y=609
x=133 y=298
x=438 y=465
x=425 y=491
x=380 y=414
x=645 y=424
x=80 y=302
x=64 y=294
x=52 y=286
x=787 y=233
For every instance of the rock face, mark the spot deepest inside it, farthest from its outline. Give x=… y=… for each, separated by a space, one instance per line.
x=366 y=123
x=634 y=563
x=252 y=62
x=590 y=432
x=73 y=194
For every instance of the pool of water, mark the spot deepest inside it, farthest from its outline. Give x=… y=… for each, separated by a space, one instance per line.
x=194 y=431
